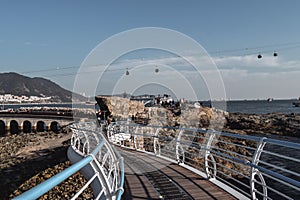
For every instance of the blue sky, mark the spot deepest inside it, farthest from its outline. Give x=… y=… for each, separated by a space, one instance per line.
x=52 y=38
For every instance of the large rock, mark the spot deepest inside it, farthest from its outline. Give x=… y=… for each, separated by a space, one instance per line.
x=189 y=116
x=202 y=117
x=160 y=116
x=118 y=107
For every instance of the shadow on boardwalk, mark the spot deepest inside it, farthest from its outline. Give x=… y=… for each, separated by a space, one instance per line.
x=150 y=177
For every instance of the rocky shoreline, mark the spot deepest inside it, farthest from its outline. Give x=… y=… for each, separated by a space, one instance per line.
x=202 y=117
x=264 y=124
x=28 y=159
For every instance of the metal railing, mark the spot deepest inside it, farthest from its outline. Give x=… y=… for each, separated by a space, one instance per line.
x=94 y=157
x=249 y=167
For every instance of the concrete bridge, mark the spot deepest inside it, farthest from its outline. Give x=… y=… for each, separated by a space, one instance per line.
x=14 y=123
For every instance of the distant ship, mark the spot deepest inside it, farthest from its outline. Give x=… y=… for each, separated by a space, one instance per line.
x=90 y=102
x=296 y=103
x=270 y=99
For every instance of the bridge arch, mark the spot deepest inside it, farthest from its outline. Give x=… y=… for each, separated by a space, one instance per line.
x=14 y=127
x=2 y=128
x=41 y=126
x=27 y=126
x=54 y=126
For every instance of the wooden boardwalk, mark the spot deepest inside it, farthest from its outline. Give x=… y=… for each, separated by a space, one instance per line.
x=150 y=177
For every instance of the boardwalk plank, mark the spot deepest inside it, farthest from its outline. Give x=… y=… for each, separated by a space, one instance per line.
x=138 y=185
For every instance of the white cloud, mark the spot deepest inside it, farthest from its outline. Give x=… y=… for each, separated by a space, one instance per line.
x=252 y=63
x=246 y=61
x=240 y=84
x=43 y=44
x=245 y=77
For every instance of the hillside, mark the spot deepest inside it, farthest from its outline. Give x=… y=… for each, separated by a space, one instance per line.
x=16 y=84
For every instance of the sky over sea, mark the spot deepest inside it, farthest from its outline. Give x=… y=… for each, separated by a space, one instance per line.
x=52 y=39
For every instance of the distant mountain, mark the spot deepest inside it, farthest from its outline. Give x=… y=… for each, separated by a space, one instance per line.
x=16 y=84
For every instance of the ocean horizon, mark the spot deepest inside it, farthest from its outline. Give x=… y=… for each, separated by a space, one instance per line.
x=232 y=106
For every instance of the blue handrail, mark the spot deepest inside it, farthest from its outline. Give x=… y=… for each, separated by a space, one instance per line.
x=120 y=192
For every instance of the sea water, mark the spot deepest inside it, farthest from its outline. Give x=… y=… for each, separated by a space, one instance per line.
x=241 y=106
x=258 y=106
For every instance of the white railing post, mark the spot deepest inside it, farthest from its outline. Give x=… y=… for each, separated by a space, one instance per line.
x=208 y=157
x=135 y=137
x=127 y=126
x=180 y=157
x=156 y=144
x=255 y=171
